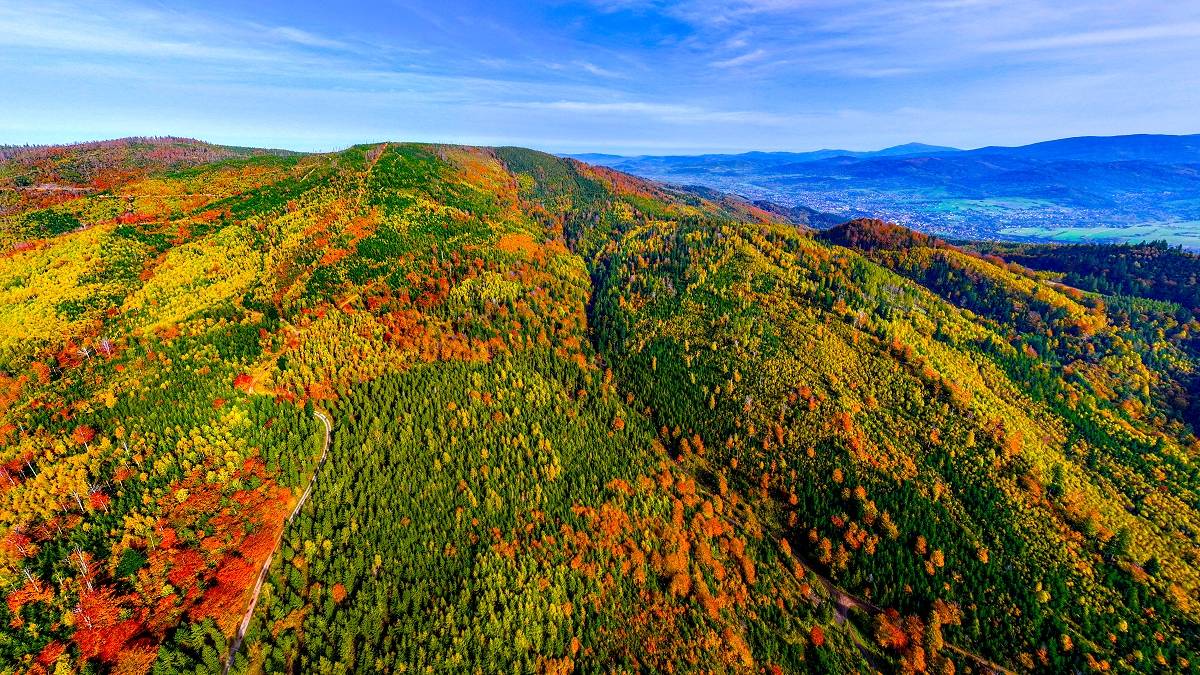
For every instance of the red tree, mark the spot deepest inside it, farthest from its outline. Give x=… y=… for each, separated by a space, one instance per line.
x=817 y=635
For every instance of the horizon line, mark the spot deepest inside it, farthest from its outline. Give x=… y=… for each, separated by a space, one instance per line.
x=729 y=152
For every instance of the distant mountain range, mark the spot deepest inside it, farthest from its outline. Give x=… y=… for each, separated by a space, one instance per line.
x=1158 y=149
x=768 y=158
x=1119 y=188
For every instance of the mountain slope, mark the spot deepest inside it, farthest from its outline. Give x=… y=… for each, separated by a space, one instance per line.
x=815 y=361
x=159 y=433
x=580 y=422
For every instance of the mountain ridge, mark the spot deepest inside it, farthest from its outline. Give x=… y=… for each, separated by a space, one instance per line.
x=1125 y=146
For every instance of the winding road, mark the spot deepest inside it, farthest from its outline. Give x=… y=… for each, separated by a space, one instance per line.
x=262 y=574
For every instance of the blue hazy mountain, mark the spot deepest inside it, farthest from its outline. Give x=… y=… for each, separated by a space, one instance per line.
x=906 y=149
x=600 y=158
x=1120 y=188
x=757 y=160
x=1158 y=149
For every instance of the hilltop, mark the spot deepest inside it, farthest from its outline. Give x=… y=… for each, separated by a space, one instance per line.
x=42 y=175
x=580 y=421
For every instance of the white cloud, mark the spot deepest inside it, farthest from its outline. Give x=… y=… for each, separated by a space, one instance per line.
x=303 y=37
x=129 y=30
x=597 y=70
x=1097 y=38
x=663 y=112
x=748 y=57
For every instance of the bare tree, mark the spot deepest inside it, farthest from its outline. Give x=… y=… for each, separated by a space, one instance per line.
x=37 y=584
x=83 y=568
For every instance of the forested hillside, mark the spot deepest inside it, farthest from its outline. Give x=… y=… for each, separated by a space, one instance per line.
x=38 y=176
x=1150 y=270
x=580 y=423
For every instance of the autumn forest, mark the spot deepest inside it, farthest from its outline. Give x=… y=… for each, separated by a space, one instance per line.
x=423 y=408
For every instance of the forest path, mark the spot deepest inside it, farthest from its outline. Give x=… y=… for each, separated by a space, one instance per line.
x=262 y=574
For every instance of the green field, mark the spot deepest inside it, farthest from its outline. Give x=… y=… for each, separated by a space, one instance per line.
x=1184 y=233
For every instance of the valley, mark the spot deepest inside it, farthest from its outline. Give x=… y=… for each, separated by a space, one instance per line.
x=1124 y=189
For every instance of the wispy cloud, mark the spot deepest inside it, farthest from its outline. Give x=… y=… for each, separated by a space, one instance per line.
x=881 y=38
x=663 y=111
x=741 y=60
x=303 y=37
x=1099 y=38
x=135 y=31
x=597 y=70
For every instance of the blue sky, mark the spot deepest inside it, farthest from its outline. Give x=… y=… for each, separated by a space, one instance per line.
x=622 y=76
